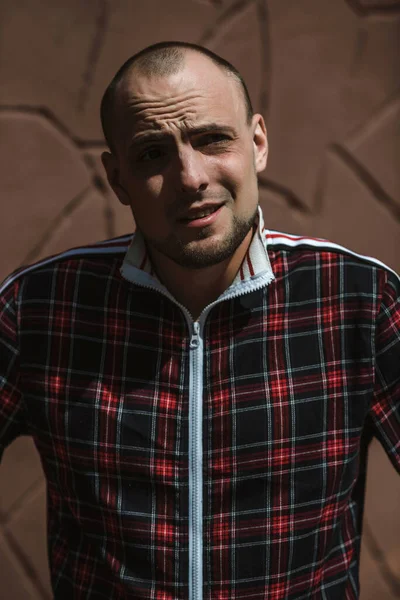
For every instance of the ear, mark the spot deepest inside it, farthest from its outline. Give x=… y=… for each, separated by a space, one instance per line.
x=111 y=166
x=260 y=142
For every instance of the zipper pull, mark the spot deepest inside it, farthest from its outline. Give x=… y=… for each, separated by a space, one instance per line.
x=194 y=341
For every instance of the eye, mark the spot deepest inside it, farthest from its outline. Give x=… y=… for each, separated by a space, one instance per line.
x=150 y=154
x=213 y=138
x=213 y=143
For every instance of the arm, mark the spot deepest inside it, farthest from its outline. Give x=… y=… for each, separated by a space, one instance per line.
x=386 y=402
x=12 y=412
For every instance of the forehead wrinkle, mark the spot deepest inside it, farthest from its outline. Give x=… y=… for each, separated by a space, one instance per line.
x=149 y=109
x=153 y=124
x=161 y=118
x=158 y=114
x=162 y=115
x=168 y=106
x=154 y=100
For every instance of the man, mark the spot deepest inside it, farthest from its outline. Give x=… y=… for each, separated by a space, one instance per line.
x=200 y=393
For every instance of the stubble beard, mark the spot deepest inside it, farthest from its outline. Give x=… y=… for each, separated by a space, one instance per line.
x=193 y=256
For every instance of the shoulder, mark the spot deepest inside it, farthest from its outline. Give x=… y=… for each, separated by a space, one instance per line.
x=98 y=257
x=322 y=252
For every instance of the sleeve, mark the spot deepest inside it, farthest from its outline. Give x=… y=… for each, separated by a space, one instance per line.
x=385 y=410
x=12 y=412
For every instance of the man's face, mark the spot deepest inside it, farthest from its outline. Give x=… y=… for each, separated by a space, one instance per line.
x=186 y=161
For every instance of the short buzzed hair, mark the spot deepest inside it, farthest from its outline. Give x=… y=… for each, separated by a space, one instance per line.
x=158 y=60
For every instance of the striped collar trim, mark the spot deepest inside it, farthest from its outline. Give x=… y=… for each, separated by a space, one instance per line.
x=137 y=257
x=282 y=240
x=117 y=245
x=256 y=262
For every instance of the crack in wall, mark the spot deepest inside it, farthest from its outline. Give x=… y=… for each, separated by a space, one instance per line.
x=213 y=3
x=374 y=9
x=46 y=113
x=293 y=202
x=41 y=111
x=20 y=501
x=82 y=146
x=386 y=110
x=367 y=179
x=51 y=230
x=96 y=47
x=224 y=20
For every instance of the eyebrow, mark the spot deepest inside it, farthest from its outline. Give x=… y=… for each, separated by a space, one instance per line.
x=153 y=136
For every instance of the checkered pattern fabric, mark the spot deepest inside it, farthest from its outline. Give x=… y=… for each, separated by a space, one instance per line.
x=295 y=376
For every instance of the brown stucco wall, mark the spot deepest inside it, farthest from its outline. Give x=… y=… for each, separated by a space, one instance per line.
x=326 y=75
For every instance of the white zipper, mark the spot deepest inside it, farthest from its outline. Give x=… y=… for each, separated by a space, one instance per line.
x=196 y=465
x=196 y=425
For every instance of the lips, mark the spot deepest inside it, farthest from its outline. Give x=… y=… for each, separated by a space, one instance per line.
x=201 y=212
x=193 y=220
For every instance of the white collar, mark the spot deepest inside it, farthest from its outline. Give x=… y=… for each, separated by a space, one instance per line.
x=137 y=267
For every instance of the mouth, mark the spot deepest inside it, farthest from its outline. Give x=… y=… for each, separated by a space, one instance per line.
x=201 y=217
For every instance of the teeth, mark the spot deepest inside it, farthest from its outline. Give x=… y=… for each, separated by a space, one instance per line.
x=203 y=214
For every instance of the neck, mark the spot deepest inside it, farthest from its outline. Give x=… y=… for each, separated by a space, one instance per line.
x=196 y=288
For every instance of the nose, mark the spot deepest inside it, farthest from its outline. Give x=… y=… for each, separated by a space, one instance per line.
x=193 y=176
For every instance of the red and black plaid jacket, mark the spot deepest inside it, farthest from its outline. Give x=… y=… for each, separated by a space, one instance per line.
x=222 y=459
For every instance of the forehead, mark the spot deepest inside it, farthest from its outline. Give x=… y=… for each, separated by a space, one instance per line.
x=200 y=92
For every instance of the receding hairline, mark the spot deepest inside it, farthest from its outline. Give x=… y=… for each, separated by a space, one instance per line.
x=162 y=60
